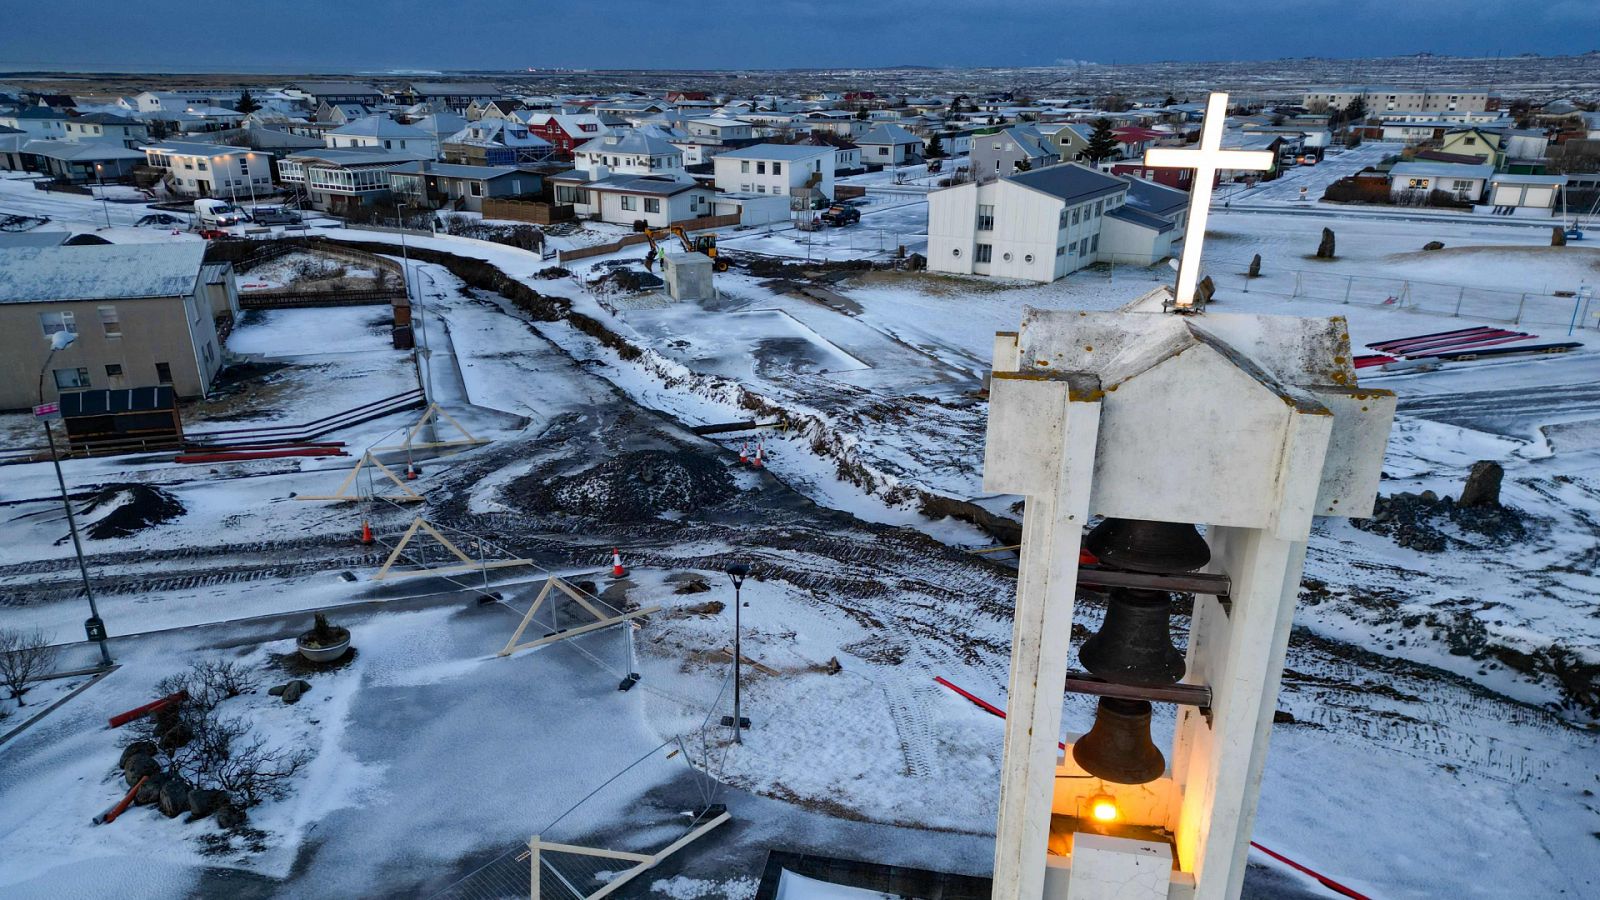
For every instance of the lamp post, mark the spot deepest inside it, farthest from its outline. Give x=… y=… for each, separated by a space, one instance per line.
x=737 y=573
x=100 y=179
x=94 y=628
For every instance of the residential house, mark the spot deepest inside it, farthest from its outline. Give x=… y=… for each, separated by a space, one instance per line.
x=1018 y=148
x=1382 y=99
x=315 y=93
x=1415 y=182
x=11 y=143
x=630 y=177
x=1039 y=225
x=140 y=313
x=846 y=156
x=383 y=133
x=566 y=131
x=37 y=121
x=889 y=145
x=80 y=162
x=841 y=122
x=342 y=180
x=460 y=187
x=1176 y=179
x=1481 y=144
x=1412 y=131
x=452 y=95
x=501 y=108
x=341 y=113
x=496 y=142
x=129 y=133
x=210 y=170
x=801 y=172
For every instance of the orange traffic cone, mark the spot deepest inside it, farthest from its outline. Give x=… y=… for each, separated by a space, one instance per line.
x=760 y=460
x=744 y=454
x=366 y=533
x=617 y=571
x=412 y=472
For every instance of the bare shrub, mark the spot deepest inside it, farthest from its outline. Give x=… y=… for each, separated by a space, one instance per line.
x=25 y=657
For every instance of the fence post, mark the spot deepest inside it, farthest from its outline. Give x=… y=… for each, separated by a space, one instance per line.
x=1296 y=286
x=533 y=868
x=1518 y=319
x=1459 y=296
x=1349 y=282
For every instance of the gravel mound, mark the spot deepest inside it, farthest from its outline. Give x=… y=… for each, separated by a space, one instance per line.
x=1414 y=520
x=120 y=510
x=631 y=486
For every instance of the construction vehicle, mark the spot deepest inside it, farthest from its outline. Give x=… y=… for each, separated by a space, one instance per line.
x=704 y=243
x=840 y=216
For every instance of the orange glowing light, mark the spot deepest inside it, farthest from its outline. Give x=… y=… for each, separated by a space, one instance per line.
x=1103 y=808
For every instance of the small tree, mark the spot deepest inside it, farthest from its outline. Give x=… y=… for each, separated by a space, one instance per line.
x=1102 y=143
x=247 y=103
x=935 y=148
x=1356 y=110
x=861 y=112
x=25 y=657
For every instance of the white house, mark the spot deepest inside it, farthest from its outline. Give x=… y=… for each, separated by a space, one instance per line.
x=106 y=127
x=797 y=171
x=37 y=122
x=383 y=133
x=889 y=145
x=1415 y=181
x=631 y=176
x=211 y=170
x=343 y=180
x=1038 y=225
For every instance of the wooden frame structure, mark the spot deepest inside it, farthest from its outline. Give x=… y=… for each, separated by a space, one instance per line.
x=555 y=583
x=467 y=564
x=642 y=862
x=434 y=409
x=406 y=495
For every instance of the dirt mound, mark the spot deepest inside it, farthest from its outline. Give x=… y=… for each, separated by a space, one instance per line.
x=120 y=510
x=631 y=486
x=1414 y=521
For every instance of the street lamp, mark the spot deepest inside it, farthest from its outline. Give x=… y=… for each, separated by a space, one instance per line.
x=94 y=627
x=100 y=178
x=737 y=573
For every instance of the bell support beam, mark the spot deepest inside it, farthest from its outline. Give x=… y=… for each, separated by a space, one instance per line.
x=1184 y=583
x=1181 y=694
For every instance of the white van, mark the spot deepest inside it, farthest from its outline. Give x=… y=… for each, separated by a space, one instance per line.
x=218 y=214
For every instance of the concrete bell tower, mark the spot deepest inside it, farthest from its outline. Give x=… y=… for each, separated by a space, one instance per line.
x=1247 y=425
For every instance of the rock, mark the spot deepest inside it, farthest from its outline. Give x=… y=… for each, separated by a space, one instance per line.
x=230 y=816
x=1433 y=245
x=176 y=736
x=278 y=690
x=138 y=766
x=1429 y=496
x=695 y=586
x=1325 y=248
x=205 y=801
x=173 y=800
x=1558 y=237
x=147 y=748
x=1283 y=717
x=1205 y=290
x=150 y=791
x=1255 y=266
x=833 y=667
x=294 y=689
x=1483 y=484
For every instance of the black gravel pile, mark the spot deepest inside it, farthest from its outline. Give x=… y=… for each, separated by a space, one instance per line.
x=630 y=486
x=132 y=508
x=1414 y=521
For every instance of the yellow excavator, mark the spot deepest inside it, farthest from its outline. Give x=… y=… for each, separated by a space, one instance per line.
x=704 y=243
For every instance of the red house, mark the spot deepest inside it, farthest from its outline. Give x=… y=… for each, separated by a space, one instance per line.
x=567 y=132
x=1181 y=179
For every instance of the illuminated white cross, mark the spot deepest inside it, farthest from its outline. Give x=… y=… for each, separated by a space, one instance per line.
x=1206 y=160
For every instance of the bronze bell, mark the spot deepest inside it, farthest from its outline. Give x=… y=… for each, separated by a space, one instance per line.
x=1118 y=748
x=1133 y=645
x=1136 y=545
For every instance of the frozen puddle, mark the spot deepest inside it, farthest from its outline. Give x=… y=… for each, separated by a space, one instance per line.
x=784 y=342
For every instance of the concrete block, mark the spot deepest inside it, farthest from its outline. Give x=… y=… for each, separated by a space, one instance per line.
x=1113 y=868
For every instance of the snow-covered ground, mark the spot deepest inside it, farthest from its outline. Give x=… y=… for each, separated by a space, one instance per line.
x=1421 y=684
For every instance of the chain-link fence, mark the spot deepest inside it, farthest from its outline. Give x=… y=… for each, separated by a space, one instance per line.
x=1574 y=309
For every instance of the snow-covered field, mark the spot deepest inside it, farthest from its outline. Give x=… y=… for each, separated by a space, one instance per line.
x=1438 y=698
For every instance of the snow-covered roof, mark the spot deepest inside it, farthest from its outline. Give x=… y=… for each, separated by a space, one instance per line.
x=80 y=151
x=889 y=134
x=631 y=141
x=100 y=271
x=455 y=89
x=1548 y=180
x=1440 y=170
x=1071 y=182
x=776 y=151
x=458 y=170
x=1154 y=198
x=335 y=88
x=194 y=148
x=1141 y=218
x=380 y=127
x=354 y=156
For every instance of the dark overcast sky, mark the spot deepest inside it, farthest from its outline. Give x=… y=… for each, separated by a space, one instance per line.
x=286 y=35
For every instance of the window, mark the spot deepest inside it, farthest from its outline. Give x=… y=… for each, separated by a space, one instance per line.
x=1075 y=214
x=1063 y=218
x=777 y=168
x=883 y=151
x=1006 y=257
x=1098 y=205
x=955 y=251
x=113 y=370
x=652 y=204
x=207 y=353
x=110 y=322
x=761 y=168
x=53 y=322
x=1094 y=244
x=744 y=167
x=985 y=253
x=985 y=217
x=476 y=188
x=164 y=373
x=1470 y=141
x=71 y=378
x=1028 y=258
x=1061 y=251
x=630 y=202
x=202 y=165
x=761 y=189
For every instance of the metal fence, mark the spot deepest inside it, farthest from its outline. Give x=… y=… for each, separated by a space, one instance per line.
x=1576 y=309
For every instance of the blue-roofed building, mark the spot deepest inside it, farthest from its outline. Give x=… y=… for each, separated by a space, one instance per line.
x=1043 y=224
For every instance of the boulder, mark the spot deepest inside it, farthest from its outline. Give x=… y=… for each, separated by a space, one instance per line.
x=230 y=816
x=1558 y=237
x=175 y=737
x=146 y=748
x=1255 y=266
x=1325 y=248
x=1483 y=484
x=150 y=791
x=1433 y=245
x=138 y=766
x=173 y=800
x=294 y=689
x=205 y=801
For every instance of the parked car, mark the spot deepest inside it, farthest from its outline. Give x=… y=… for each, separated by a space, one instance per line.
x=839 y=216
x=274 y=215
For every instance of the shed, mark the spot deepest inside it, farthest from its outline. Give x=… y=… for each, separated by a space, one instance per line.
x=122 y=419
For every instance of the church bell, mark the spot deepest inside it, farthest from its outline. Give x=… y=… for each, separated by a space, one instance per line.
x=1118 y=748
x=1160 y=548
x=1133 y=645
